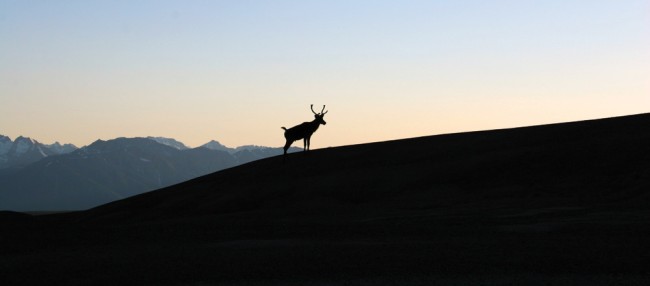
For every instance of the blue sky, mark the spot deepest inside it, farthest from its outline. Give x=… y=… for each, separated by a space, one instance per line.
x=235 y=71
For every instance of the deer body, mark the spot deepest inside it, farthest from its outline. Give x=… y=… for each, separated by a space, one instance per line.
x=304 y=130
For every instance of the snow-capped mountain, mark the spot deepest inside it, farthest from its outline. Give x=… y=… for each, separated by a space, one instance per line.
x=171 y=142
x=215 y=145
x=58 y=148
x=23 y=145
x=250 y=147
x=105 y=171
x=24 y=151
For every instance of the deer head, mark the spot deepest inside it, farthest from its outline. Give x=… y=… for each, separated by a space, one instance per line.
x=319 y=116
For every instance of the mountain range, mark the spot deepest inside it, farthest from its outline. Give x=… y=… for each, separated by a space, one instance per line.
x=24 y=151
x=38 y=177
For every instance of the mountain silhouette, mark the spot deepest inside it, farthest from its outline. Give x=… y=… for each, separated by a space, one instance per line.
x=560 y=204
x=110 y=170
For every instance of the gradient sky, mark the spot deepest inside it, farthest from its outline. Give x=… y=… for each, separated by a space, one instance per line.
x=236 y=71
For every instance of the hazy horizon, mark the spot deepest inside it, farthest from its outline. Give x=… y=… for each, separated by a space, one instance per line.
x=236 y=71
x=299 y=143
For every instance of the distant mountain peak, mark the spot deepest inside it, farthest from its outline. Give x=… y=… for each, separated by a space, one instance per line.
x=59 y=148
x=215 y=145
x=169 y=142
x=250 y=147
x=5 y=144
x=23 y=144
x=25 y=139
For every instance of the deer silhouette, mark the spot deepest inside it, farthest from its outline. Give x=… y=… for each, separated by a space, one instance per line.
x=304 y=130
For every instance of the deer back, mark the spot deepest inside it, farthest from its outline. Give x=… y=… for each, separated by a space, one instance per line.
x=302 y=130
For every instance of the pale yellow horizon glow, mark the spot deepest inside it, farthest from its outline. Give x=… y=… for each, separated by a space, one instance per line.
x=234 y=72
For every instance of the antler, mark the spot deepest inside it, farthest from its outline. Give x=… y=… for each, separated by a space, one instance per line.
x=321 y=112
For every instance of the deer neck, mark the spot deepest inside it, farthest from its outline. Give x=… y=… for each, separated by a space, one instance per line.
x=314 y=124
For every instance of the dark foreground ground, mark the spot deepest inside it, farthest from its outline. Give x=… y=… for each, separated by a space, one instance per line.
x=560 y=204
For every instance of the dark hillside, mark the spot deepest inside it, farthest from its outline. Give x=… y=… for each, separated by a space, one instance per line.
x=589 y=162
x=562 y=204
